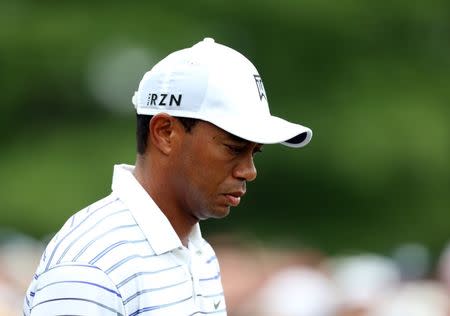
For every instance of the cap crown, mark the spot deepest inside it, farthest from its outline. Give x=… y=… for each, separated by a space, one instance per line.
x=205 y=81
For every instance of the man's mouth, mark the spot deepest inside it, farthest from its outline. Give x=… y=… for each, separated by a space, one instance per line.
x=234 y=198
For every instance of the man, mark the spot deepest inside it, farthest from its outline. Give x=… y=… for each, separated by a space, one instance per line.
x=202 y=114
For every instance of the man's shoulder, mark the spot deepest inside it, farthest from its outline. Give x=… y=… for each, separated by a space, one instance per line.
x=100 y=210
x=106 y=204
x=90 y=234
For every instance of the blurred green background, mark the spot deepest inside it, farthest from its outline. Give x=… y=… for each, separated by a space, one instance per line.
x=371 y=78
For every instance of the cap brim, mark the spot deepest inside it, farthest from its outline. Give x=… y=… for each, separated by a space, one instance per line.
x=267 y=130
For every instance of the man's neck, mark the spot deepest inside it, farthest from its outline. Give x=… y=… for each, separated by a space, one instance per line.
x=161 y=194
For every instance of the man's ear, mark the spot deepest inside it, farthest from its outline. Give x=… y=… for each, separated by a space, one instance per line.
x=163 y=129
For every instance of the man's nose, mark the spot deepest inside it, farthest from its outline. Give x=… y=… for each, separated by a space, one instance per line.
x=245 y=169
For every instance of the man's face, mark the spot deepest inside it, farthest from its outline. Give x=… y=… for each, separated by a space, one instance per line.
x=211 y=169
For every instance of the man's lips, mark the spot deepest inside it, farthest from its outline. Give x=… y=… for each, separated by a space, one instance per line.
x=234 y=198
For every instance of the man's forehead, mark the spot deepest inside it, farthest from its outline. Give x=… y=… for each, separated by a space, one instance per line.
x=238 y=139
x=226 y=135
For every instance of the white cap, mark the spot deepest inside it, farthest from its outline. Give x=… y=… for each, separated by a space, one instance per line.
x=217 y=84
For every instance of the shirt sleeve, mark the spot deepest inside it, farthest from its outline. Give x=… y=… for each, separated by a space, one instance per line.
x=74 y=289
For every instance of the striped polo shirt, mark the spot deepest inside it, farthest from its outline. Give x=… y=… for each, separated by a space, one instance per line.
x=121 y=256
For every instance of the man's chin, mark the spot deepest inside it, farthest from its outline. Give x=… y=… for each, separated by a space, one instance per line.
x=217 y=213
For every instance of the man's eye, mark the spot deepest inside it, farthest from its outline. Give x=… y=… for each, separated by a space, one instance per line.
x=235 y=149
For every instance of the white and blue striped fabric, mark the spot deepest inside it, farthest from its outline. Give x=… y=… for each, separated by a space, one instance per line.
x=121 y=256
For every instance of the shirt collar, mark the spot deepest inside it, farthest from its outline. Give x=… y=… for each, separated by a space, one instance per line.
x=152 y=221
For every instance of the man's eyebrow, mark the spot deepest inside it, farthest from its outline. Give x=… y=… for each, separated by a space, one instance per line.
x=237 y=138
x=241 y=140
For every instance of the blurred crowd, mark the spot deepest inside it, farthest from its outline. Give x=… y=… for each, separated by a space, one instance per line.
x=260 y=280
x=19 y=257
x=272 y=281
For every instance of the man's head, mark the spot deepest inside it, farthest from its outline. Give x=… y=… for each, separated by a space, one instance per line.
x=202 y=115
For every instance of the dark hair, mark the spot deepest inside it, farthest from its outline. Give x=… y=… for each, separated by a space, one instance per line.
x=142 y=122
